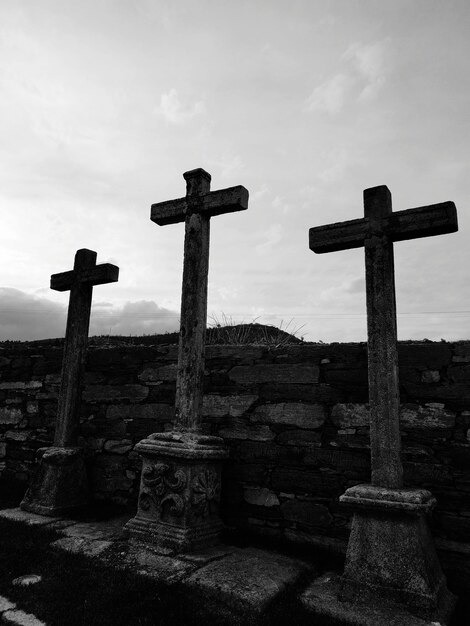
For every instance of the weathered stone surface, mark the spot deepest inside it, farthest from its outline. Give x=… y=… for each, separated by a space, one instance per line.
x=260 y=496
x=299 y=438
x=118 y=447
x=82 y=545
x=291 y=414
x=214 y=405
x=306 y=513
x=239 y=429
x=154 y=411
x=350 y=415
x=432 y=415
x=430 y=355
x=10 y=415
x=338 y=459
x=430 y=376
x=245 y=374
x=164 y=372
x=25 y=517
x=6 y=604
x=248 y=580
x=109 y=393
x=304 y=481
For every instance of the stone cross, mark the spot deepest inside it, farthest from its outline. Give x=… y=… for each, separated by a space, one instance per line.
x=79 y=282
x=376 y=232
x=195 y=209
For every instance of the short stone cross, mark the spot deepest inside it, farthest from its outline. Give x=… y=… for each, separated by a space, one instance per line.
x=53 y=495
x=376 y=232
x=390 y=551
x=178 y=506
x=196 y=209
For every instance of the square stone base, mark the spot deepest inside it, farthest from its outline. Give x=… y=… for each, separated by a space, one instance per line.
x=60 y=484
x=178 y=506
x=391 y=552
x=325 y=605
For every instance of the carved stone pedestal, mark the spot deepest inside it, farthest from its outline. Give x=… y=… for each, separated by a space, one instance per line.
x=178 y=507
x=60 y=485
x=391 y=552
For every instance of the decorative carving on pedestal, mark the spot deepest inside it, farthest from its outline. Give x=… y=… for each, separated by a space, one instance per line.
x=162 y=484
x=206 y=492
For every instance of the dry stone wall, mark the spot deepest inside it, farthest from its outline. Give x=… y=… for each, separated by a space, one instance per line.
x=295 y=420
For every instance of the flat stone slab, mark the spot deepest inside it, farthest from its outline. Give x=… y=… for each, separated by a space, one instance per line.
x=20 y=618
x=79 y=545
x=248 y=579
x=6 y=604
x=320 y=599
x=110 y=529
x=161 y=568
x=25 y=517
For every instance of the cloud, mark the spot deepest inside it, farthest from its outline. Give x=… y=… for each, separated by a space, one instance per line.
x=174 y=111
x=272 y=237
x=368 y=64
x=331 y=95
x=27 y=317
x=229 y=165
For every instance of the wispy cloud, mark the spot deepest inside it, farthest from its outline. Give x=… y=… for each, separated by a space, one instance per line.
x=368 y=66
x=229 y=165
x=176 y=112
x=24 y=316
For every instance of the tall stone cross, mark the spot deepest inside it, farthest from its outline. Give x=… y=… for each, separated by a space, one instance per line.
x=195 y=210
x=80 y=282
x=376 y=232
x=60 y=483
x=180 y=488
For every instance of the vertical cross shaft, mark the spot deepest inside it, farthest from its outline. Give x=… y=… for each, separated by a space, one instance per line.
x=377 y=231
x=80 y=281
x=196 y=210
x=76 y=337
x=193 y=304
x=385 y=442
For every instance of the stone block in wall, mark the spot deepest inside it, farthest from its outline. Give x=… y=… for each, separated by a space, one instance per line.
x=432 y=415
x=3 y=449
x=225 y=355
x=459 y=373
x=339 y=459
x=309 y=482
x=456 y=454
x=119 y=446
x=260 y=496
x=20 y=385
x=110 y=393
x=240 y=429
x=426 y=474
x=306 y=513
x=159 y=373
x=246 y=472
x=215 y=405
x=424 y=355
x=350 y=415
x=317 y=392
x=344 y=375
x=155 y=411
x=455 y=394
x=297 y=414
x=262 y=452
x=274 y=373
x=455 y=527
x=296 y=437
x=10 y=415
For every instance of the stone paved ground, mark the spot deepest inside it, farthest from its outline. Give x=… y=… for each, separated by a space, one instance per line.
x=245 y=584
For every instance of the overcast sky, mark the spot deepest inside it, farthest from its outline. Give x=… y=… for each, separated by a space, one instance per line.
x=105 y=103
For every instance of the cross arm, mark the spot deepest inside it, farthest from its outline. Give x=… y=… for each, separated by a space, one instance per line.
x=338 y=236
x=425 y=221
x=169 y=212
x=226 y=200
x=98 y=275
